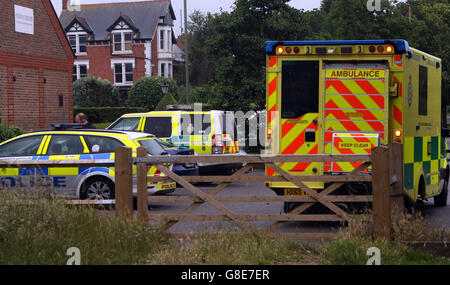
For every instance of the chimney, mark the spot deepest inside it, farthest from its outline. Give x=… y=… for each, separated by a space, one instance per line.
x=64 y=4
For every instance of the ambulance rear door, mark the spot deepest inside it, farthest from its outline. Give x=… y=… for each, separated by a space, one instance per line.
x=355 y=111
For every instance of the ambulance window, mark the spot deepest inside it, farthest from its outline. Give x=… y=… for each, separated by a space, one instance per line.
x=21 y=147
x=229 y=126
x=423 y=90
x=126 y=124
x=189 y=127
x=64 y=145
x=160 y=127
x=300 y=88
x=102 y=144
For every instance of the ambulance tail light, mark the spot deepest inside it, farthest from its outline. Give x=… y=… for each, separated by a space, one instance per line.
x=280 y=50
x=372 y=49
x=217 y=144
x=269 y=133
x=398 y=136
x=389 y=49
x=380 y=49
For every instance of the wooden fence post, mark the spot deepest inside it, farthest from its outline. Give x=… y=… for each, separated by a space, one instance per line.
x=381 y=188
x=124 y=183
x=396 y=172
x=142 y=193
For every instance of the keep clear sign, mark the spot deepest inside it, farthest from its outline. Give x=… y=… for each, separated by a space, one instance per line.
x=24 y=20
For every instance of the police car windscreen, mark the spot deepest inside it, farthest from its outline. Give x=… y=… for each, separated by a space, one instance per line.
x=160 y=127
x=152 y=146
x=300 y=88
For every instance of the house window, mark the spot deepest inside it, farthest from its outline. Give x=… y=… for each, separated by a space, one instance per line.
x=79 y=71
x=123 y=73
x=161 y=40
x=169 y=39
x=122 y=42
x=163 y=65
x=78 y=42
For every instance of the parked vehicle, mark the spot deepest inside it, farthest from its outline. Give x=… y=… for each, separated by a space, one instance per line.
x=93 y=183
x=206 y=132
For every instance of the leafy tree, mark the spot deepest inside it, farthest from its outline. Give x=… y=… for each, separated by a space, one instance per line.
x=95 y=92
x=166 y=100
x=147 y=92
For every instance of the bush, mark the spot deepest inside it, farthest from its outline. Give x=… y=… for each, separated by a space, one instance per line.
x=95 y=92
x=147 y=92
x=166 y=100
x=98 y=115
x=9 y=132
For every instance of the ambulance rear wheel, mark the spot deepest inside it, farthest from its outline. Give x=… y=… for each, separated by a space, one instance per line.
x=441 y=199
x=98 y=188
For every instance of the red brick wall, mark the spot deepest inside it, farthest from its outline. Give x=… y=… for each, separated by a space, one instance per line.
x=100 y=61
x=34 y=69
x=44 y=40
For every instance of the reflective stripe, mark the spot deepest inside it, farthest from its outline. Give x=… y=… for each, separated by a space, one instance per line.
x=86 y=149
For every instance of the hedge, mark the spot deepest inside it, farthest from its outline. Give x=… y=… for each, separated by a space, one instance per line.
x=97 y=115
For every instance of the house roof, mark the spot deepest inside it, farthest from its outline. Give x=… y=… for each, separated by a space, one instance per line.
x=99 y=18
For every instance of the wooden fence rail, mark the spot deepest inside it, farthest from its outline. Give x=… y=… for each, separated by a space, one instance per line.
x=385 y=178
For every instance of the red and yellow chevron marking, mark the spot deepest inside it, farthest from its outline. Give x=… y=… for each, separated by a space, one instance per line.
x=293 y=142
x=398 y=102
x=271 y=99
x=354 y=114
x=347 y=143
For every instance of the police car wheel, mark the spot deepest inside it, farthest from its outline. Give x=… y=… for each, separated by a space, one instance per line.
x=98 y=188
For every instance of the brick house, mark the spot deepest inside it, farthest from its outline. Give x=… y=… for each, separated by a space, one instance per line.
x=35 y=66
x=121 y=42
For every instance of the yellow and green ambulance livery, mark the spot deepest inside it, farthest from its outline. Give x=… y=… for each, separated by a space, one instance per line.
x=206 y=132
x=94 y=183
x=347 y=97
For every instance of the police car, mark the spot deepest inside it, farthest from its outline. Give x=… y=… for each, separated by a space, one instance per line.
x=93 y=183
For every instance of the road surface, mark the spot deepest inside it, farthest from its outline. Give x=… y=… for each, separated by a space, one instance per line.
x=431 y=213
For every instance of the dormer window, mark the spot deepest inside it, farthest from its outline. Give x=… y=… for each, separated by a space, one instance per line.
x=78 y=43
x=122 y=41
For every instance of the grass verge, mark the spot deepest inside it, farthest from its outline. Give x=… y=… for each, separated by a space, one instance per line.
x=353 y=242
x=40 y=230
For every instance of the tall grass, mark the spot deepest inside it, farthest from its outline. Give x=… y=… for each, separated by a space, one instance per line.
x=352 y=243
x=38 y=229
x=235 y=248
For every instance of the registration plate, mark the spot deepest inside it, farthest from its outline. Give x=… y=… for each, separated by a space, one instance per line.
x=294 y=192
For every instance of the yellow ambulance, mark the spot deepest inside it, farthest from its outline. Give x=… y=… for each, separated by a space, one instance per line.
x=347 y=97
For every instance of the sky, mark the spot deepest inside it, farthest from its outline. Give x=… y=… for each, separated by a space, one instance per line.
x=212 y=6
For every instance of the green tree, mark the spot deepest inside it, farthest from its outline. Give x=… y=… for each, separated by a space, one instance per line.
x=166 y=100
x=235 y=45
x=147 y=92
x=95 y=92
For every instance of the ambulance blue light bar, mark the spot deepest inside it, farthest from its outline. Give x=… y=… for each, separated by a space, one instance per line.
x=401 y=46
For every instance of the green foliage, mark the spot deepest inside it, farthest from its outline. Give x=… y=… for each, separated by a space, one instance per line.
x=166 y=100
x=147 y=92
x=95 y=92
x=226 y=50
x=9 y=132
x=96 y=115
